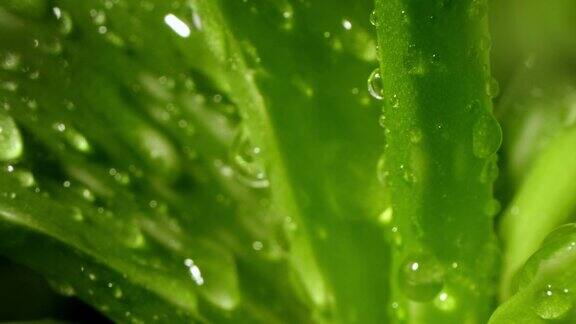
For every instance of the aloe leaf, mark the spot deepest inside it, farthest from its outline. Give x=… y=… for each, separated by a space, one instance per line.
x=439 y=159
x=545 y=284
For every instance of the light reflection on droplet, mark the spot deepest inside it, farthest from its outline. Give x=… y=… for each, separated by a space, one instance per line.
x=177 y=25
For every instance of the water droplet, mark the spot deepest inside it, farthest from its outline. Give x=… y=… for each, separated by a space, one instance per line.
x=493 y=207
x=246 y=162
x=63 y=288
x=177 y=25
x=374 y=18
x=195 y=272
x=492 y=88
x=257 y=245
x=65 y=23
x=552 y=304
x=421 y=277
x=52 y=46
x=386 y=216
x=10 y=61
x=486 y=136
x=347 y=24
x=445 y=301
x=398 y=312
x=77 y=215
x=11 y=146
x=74 y=138
x=118 y=293
x=381 y=170
x=25 y=178
x=375 y=85
x=98 y=17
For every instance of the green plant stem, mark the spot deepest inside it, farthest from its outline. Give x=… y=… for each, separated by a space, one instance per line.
x=441 y=140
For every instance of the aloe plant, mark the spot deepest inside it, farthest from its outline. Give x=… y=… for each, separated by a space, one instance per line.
x=286 y=161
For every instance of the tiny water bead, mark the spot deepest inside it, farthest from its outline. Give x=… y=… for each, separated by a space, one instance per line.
x=375 y=85
x=421 y=277
x=10 y=61
x=492 y=88
x=74 y=138
x=386 y=216
x=246 y=162
x=11 y=146
x=195 y=272
x=374 y=18
x=177 y=25
x=486 y=136
x=553 y=304
x=445 y=301
x=65 y=23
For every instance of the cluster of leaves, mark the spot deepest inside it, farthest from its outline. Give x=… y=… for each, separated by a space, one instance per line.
x=226 y=161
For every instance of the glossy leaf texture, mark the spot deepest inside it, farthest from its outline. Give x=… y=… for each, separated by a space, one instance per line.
x=538 y=115
x=175 y=152
x=544 y=287
x=440 y=158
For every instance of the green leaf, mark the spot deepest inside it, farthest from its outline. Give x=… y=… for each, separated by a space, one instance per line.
x=545 y=284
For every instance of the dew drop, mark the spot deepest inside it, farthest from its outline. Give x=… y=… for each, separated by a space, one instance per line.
x=347 y=24
x=65 y=23
x=98 y=17
x=552 y=304
x=375 y=85
x=493 y=207
x=11 y=146
x=177 y=25
x=421 y=277
x=25 y=178
x=445 y=301
x=246 y=162
x=374 y=18
x=386 y=216
x=10 y=61
x=492 y=88
x=63 y=288
x=118 y=293
x=486 y=136
x=381 y=170
x=195 y=272
x=77 y=215
x=74 y=138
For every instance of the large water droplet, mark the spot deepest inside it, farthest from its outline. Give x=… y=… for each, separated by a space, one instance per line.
x=421 y=277
x=11 y=146
x=486 y=136
x=246 y=162
x=552 y=304
x=375 y=85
